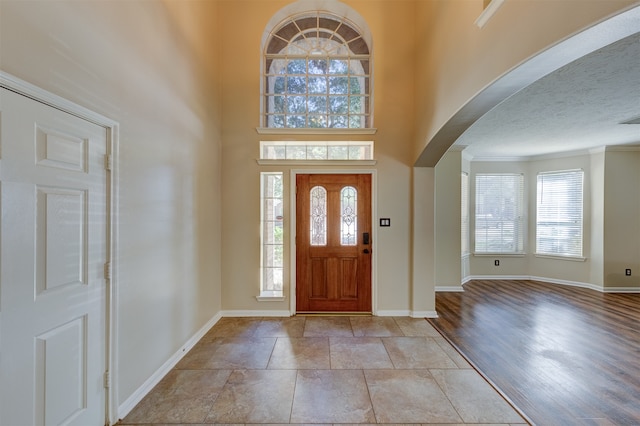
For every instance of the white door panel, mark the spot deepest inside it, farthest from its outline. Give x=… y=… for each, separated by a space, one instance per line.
x=53 y=246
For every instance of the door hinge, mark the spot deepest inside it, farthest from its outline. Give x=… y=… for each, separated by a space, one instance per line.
x=107 y=379
x=107 y=271
x=108 y=162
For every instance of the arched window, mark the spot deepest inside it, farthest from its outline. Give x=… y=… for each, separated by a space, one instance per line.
x=317 y=74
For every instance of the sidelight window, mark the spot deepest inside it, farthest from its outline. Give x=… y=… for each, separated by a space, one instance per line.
x=272 y=249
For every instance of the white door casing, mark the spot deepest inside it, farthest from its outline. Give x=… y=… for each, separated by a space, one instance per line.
x=53 y=248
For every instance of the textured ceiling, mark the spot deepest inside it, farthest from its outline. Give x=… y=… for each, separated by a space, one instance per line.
x=578 y=107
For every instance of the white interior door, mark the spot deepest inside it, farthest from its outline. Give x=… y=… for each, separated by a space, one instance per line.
x=53 y=247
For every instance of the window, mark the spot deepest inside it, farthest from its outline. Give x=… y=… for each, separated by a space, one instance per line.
x=318 y=211
x=316 y=150
x=272 y=253
x=464 y=204
x=559 y=213
x=349 y=216
x=499 y=217
x=316 y=74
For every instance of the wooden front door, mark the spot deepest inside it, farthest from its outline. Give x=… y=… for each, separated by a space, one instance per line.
x=333 y=243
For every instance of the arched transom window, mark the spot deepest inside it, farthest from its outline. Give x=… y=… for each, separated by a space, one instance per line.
x=316 y=74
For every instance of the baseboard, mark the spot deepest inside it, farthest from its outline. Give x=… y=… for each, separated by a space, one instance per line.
x=569 y=283
x=148 y=385
x=499 y=277
x=424 y=314
x=255 y=314
x=396 y=313
x=450 y=288
x=589 y=286
x=622 y=289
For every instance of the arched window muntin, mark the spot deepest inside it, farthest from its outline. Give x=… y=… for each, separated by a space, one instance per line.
x=317 y=74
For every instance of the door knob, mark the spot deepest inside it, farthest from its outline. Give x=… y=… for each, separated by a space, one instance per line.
x=365 y=251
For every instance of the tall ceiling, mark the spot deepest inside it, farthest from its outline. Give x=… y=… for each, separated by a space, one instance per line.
x=589 y=103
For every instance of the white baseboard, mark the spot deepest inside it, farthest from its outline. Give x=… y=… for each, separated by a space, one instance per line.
x=499 y=277
x=622 y=289
x=396 y=313
x=590 y=286
x=148 y=385
x=450 y=288
x=255 y=314
x=424 y=314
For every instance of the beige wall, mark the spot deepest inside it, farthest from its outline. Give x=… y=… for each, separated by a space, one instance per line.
x=448 y=217
x=140 y=64
x=622 y=218
x=393 y=52
x=611 y=237
x=458 y=60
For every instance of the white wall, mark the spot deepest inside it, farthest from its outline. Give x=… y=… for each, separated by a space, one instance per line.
x=138 y=63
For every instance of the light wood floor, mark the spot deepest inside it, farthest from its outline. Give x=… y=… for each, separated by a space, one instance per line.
x=563 y=355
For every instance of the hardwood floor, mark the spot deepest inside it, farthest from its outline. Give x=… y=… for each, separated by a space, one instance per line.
x=563 y=355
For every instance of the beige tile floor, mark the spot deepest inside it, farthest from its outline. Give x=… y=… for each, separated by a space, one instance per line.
x=323 y=370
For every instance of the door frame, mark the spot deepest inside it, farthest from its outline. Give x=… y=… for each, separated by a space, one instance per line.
x=112 y=127
x=292 y=228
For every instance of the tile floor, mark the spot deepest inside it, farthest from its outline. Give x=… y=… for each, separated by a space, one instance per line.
x=323 y=370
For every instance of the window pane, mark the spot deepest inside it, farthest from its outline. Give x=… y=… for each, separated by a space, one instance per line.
x=499 y=217
x=317 y=104
x=276 y=121
x=296 y=152
x=338 y=85
x=316 y=152
x=296 y=85
x=272 y=232
x=318 y=85
x=349 y=215
x=357 y=121
x=338 y=66
x=318 y=66
x=317 y=121
x=339 y=121
x=296 y=104
x=338 y=153
x=297 y=66
x=559 y=213
x=296 y=121
x=318 y=219
x=338 y=104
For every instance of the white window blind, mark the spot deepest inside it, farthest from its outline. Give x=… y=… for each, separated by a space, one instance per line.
x=464 y=203
x=499 y=214
x=559 y=213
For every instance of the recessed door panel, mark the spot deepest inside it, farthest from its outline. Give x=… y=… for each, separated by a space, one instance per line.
x=61 y=243
x=61 y=373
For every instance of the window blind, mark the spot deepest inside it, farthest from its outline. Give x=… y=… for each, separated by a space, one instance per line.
x=464 y=203
x=559 y=213
x=499 y=213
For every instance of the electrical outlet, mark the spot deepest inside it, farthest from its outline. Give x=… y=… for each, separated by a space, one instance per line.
x=496 y=262
x=627 y=272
